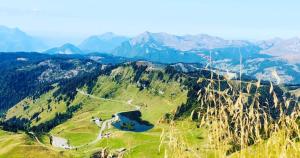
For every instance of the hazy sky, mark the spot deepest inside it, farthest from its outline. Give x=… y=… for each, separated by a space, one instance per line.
x=76 y=19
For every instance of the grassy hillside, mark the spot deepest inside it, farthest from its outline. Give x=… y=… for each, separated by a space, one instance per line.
x=19 y=145
x=154 y=91
x=37 y=110
x=194 y=114
x=80 y=130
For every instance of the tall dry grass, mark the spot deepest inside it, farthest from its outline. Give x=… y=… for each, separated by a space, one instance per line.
x=243 y=119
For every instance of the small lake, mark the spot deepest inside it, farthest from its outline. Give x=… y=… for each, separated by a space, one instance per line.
x=131 y=121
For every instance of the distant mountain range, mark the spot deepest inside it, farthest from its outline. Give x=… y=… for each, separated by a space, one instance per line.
x=162 y=47
x=266 y=59
x=151 y=44
x=185 y=43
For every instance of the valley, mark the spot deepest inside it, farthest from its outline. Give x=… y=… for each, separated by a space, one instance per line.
x=131 y=109
x=110 y=95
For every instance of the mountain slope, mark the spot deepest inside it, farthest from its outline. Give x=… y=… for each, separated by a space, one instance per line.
x=13 y=40
x=103 y=43
x=78 y=110
x=150 y=43
x=32 y=74
x=119 y=90
x=64 y=49
x=186 y=42
x=286 y=49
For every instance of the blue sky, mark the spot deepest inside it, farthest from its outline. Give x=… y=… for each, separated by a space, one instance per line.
x=77 y=19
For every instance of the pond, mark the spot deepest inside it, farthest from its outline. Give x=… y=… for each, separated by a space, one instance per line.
x=131 y=121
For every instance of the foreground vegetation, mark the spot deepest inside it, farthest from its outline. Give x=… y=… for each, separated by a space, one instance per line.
x=244 y=119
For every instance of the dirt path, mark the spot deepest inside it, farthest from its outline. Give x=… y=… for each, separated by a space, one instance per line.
x=129 y=102
x=62 y=143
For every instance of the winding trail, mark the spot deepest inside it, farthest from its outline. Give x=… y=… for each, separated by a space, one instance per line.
x=129 y=102
x=104 y=125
